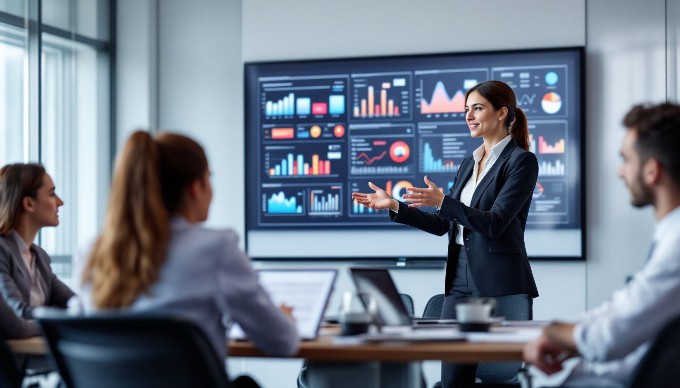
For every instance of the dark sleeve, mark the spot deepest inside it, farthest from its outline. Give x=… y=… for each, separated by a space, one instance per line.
x=13 y=327
x=60 y=293
x=512 y=197
x=428 y=222
x=417 y=218
x=10 y=291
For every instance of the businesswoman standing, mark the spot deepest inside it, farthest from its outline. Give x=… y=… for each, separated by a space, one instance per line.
x=484 y=213
x=153 y=256
x=28 y=203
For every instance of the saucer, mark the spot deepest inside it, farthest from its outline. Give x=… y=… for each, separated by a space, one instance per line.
x=479 y=326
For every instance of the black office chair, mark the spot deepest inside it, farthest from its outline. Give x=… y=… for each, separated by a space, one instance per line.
x=660 y=367
x=433 y=308
x=513 y=308
x=11 y=375
x=131 y=351
x=408 y=303
x=500 y=373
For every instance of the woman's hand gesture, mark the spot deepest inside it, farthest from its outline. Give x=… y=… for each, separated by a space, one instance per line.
x=377 y=200
x=419 y=197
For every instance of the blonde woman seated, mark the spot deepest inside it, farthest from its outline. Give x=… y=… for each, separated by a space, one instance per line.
x=153 y=255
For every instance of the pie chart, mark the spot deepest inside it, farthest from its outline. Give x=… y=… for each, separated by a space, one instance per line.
x=551 y=103
x=399 y=151
x=538 y=191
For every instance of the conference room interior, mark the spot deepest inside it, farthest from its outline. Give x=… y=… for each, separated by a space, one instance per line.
x=109 y=67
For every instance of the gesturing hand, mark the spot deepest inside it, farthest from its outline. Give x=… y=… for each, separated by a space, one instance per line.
x=430 y=196
x=377 y=200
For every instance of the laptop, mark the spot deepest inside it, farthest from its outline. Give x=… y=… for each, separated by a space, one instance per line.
x=307 y=291
x=392 y=317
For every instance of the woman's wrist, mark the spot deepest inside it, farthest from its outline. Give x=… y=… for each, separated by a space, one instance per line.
x=441 y=203
x=395 y=205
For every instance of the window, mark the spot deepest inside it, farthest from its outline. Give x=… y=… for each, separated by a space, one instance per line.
x=55 y=103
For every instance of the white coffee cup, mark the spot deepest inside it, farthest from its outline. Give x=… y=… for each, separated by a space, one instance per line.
x=475 y=310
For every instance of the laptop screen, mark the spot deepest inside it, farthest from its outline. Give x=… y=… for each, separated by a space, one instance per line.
x=377 y=283
x=306 y=291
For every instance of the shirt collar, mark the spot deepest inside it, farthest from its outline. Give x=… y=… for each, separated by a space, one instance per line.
x=23 y=247
x=494 y=152
x=670 y=223
x=179 y=222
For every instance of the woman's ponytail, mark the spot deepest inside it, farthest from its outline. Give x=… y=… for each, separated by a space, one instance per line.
x=126 y=259
x=520 y=129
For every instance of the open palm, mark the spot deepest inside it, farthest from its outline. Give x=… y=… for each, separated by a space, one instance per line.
x=379 y=199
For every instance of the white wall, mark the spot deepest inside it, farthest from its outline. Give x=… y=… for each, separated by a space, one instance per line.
x=136 y=67
x=189 y=68
x=625 y=65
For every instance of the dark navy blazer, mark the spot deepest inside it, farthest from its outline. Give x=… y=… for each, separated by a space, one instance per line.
x=493 y=224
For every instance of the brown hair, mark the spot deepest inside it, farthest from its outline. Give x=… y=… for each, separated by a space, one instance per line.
x=149 y=184
x=658 y=135
x=500 y=95
x=17 y=181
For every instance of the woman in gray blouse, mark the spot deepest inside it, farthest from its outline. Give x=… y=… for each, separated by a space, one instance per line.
x=153 y=255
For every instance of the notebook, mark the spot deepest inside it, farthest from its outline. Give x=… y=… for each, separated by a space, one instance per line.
x=307 y=291
x=392 y=317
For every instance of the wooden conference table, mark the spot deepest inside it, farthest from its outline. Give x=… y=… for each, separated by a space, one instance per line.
x=326 y=348
x=336 y=362
x=380 y=364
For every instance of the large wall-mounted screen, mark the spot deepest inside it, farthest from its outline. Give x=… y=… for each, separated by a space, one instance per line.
x=316 y=131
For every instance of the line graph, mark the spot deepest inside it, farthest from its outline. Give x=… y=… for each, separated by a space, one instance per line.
x=370 y=160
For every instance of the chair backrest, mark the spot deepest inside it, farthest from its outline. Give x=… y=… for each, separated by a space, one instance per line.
x=408 y=303
x=433 y=308
x=512 y=307
x=660 y=367
x=10 y=374
x=120 y=350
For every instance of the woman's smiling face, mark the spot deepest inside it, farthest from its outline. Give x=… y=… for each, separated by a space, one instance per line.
x=481 y=117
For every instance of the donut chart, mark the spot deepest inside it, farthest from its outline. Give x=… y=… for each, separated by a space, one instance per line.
x=399 y=151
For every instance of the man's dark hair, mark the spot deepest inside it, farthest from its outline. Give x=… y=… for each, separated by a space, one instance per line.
x=658 y=135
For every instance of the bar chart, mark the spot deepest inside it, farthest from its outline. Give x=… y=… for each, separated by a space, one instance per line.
x=282 y=162
x=556 y=168
x=325 y=200
x=444 y=147
x=380 y=96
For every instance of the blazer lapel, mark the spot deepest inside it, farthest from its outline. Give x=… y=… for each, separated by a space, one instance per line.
x=465 y=174
x=493 y=173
